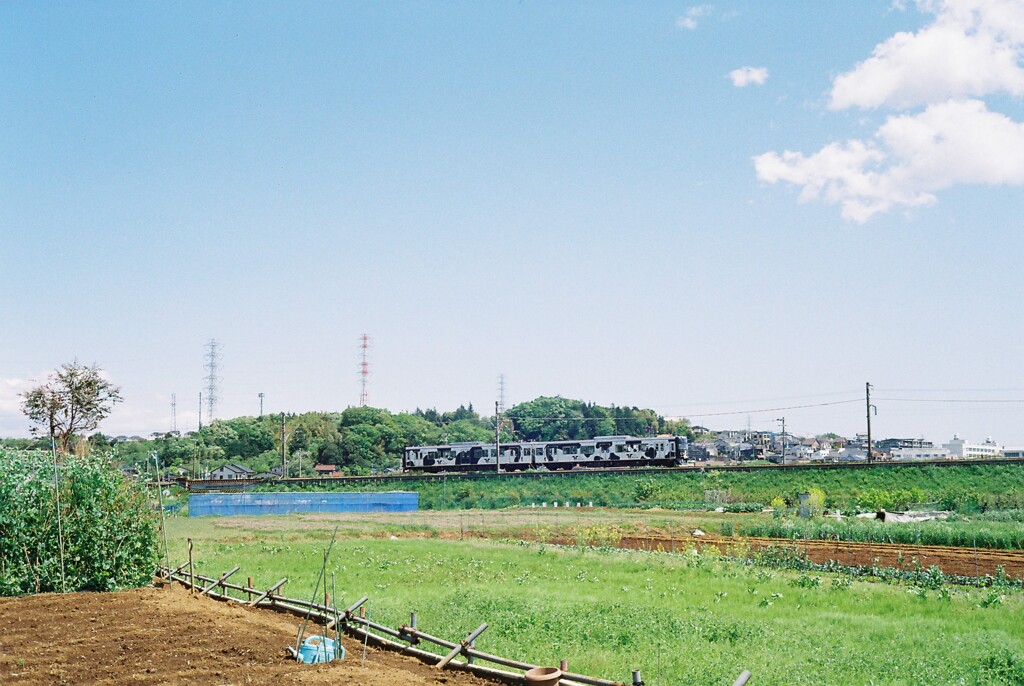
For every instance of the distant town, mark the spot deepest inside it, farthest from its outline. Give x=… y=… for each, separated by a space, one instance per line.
x=780 y=448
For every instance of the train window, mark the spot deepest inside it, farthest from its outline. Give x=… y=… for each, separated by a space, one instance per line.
x=620 y=448
x=588 y=450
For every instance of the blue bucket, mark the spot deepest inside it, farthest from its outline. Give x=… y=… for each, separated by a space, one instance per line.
x=317 y=649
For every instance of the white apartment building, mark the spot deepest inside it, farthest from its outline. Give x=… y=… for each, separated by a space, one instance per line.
x=960 y=449
x=920 y=453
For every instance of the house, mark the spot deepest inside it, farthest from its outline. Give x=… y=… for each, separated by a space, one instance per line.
x=232 y=472
x=702 y=451
x=326 y=470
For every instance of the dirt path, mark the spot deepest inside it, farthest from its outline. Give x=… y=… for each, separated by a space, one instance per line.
x=164 y=636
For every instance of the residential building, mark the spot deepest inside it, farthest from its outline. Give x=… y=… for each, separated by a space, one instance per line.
x=232 y=472
x=888 y=444
x=961 y=449
x=923 y=453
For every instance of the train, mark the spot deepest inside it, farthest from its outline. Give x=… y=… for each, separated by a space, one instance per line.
x=597 y=452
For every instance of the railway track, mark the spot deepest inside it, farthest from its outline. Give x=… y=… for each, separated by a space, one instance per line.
x=238 y=485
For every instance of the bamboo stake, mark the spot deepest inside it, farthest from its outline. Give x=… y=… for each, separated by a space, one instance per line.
x=219 y=581
x=461 y=647
x=261 y=596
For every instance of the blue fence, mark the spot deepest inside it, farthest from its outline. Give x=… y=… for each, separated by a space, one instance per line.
x=229 y=504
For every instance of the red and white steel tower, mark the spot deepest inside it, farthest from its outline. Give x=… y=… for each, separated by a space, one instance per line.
x=364 y=367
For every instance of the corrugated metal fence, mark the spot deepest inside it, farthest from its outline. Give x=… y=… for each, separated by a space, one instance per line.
x=229 y=504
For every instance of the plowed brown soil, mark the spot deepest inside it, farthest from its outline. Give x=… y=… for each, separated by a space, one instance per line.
x=165 y=636
x=952 y=561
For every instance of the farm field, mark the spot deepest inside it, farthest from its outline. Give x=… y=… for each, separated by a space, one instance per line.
x=965 y=488
x=164 y=636
x=687 y=618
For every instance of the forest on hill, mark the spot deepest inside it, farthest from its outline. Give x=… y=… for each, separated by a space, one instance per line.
x=364 y=440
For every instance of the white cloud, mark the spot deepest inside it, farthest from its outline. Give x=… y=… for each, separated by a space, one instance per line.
x=971 y=49
x=693 y=14
x=911 y=157
x=956 y=56
x=745 y=76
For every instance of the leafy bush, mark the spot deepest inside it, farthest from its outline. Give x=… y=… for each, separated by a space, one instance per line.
x=109 y=530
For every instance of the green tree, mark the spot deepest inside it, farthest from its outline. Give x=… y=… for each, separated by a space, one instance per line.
x=74 y=399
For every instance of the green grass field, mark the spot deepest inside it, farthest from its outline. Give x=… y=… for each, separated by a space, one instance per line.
x=681 y=619
x=965 y=488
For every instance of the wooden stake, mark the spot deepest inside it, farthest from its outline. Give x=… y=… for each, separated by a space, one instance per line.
x=191 y=572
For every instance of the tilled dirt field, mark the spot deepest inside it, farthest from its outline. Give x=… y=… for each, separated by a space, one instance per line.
x=165 y=636
x=952 y=561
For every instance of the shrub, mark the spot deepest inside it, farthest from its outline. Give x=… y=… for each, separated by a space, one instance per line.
x=109 y=530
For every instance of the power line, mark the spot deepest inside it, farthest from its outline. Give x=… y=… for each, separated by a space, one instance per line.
x=951 y=390
x=760 y=400
x=775 y=409
x=952 y=400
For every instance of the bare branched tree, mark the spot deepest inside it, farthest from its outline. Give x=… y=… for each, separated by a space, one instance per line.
x=74 y=399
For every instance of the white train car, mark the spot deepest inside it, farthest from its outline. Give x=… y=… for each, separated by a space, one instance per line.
x=598 y=452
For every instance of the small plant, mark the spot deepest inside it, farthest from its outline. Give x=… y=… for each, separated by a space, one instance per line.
x=1003 y=667
x=992 y=599
x=806 y=581
x=841 y=583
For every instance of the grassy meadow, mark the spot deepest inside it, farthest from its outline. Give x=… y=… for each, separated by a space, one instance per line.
x=967 y=489
x=682 y=619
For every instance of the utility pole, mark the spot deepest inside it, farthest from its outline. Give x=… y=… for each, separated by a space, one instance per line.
x=174 y=413
x=261 y=403
x=497 y=437
x=783 y=420
x=284 y=462
x=867 y=399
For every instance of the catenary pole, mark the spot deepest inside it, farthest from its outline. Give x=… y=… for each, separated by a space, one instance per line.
x=867 y=399
x=497 y=437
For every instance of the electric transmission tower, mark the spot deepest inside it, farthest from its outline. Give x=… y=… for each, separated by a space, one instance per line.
x=501 y=393
x=174 y=413
x=212 y=379
x=364 y=368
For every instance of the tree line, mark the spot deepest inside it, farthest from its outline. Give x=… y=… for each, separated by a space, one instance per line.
x=358 y=440
x=364 y=440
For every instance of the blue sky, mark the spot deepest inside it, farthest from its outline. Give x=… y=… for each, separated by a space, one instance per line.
x=698 y=208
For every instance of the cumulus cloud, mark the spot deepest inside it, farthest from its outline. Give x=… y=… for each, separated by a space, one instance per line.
x=745 y=76
x=690 y=20
x=971 y=49
x=910 y=158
